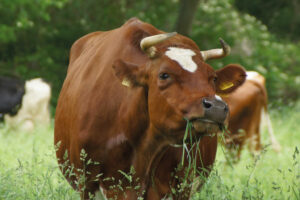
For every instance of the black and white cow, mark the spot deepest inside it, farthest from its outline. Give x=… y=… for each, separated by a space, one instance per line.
x=11 y=94
x=24 y=105
x=34 y=111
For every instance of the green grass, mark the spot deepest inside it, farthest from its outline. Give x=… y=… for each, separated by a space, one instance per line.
x=28 y=168
x=269 y=175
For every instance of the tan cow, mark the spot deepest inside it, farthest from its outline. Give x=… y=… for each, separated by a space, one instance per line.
x=248 y=107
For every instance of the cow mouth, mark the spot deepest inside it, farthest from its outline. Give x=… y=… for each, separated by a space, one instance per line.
x=204 y=126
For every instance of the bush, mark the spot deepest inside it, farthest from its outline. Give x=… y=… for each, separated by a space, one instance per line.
x=252 y=46
x=35 y=37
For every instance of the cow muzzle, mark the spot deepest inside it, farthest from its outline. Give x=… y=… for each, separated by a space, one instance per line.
x=213 y=119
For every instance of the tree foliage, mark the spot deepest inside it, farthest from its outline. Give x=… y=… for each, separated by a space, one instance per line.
x=281 y=16
x=253 y=46
x=36 y=36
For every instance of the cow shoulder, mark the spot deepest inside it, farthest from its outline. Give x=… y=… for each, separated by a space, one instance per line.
x=80 y=44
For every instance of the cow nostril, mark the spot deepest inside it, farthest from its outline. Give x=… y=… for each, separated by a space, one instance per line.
x=226 y=108
x=206 y=104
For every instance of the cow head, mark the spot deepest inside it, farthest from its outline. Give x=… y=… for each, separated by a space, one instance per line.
x=11 y=95
x=180 y=86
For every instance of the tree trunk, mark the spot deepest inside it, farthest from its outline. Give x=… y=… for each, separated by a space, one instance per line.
x=186 y=15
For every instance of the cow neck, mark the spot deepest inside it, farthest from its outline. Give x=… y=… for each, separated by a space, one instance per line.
x=148 y=155
x=134 y=115
x=148 y=147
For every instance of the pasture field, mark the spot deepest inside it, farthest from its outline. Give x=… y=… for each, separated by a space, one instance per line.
x=28 y=167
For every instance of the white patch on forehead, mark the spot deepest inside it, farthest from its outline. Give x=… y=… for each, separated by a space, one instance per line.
x=218 y=97
x=183 y=57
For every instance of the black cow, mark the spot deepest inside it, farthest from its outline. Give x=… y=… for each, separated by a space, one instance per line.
x=11 y=94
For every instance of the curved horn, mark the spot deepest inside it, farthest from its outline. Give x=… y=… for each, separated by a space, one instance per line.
x=148 y=42
x=216 y=53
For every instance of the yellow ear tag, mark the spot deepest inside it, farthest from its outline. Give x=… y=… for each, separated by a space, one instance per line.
x=226 y=85
x=126 y=82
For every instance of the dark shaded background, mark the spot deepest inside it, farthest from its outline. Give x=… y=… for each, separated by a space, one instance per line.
x=36 y=35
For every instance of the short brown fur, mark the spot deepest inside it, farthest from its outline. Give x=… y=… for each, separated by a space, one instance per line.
x=120 y=126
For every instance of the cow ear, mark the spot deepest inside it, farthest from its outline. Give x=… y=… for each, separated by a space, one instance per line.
x=130 y=75
x=229 y=78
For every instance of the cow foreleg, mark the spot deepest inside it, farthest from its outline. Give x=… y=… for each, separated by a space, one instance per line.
x=275 y=144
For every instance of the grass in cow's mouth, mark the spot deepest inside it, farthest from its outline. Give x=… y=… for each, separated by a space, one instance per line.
x=228 y=158
x=189 y=160
x=190 y=153
x=188 y=130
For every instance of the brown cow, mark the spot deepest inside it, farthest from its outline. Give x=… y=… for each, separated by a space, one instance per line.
x=247 y=105
x=125 y=101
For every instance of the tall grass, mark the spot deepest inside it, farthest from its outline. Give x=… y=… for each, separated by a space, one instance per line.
x=28 y=167
x=269 y=175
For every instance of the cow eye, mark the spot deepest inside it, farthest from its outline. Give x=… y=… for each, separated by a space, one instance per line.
x=164 y=76
x=215 y=79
